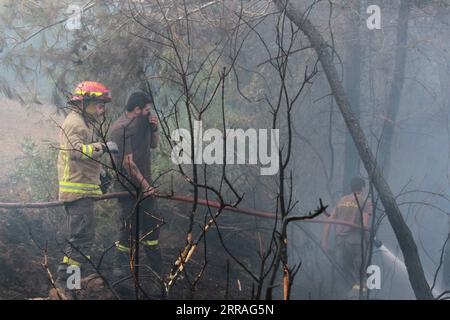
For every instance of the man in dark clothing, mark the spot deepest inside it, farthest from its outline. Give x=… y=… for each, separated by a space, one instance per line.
x=350 y=208
x=136 y=133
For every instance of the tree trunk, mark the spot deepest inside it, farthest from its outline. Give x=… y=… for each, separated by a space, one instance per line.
x=395 y=92
x=353 y=88
x=401 y=230
x=444 y=80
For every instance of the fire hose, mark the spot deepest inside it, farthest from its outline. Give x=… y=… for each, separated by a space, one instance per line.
x=174 y=197
x=203 y=202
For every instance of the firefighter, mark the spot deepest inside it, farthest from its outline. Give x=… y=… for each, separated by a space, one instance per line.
x=136 y=132
x=348 y=240
x=79 y=173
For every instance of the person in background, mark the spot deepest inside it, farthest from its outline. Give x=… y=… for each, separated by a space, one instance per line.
x=356 y=209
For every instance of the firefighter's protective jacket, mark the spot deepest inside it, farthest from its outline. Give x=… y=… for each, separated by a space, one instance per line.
x=78 y=170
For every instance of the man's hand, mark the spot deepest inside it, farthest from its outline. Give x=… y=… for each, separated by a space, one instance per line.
x=153 y=120
x=147 y=189
x=150 y=191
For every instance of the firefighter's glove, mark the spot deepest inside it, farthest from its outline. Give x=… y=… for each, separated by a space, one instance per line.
x=111 y=147
x=105 y=180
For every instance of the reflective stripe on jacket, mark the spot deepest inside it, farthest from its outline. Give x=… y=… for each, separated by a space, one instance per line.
x=78 y=170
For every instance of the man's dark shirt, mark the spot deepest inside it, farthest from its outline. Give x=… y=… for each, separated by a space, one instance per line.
x=132 y=136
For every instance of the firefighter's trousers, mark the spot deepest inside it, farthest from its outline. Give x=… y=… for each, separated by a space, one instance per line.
x=349 y=257
x=81 y=226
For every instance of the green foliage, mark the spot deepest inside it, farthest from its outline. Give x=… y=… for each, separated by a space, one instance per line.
x=36 y=171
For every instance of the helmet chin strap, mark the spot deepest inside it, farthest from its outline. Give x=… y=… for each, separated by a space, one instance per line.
x=87 y=110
